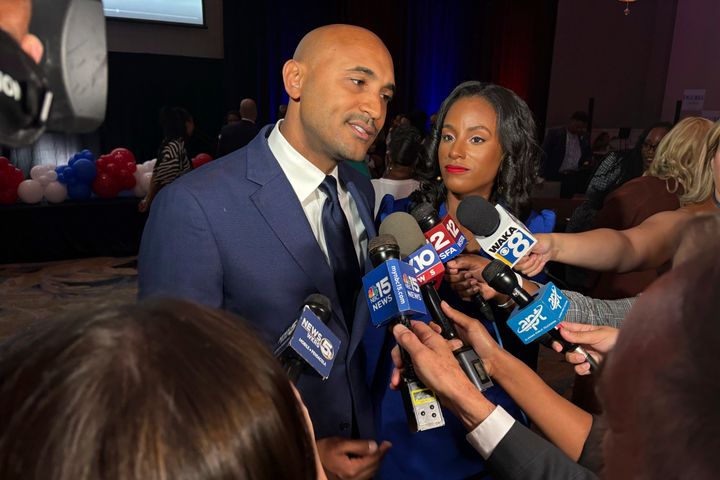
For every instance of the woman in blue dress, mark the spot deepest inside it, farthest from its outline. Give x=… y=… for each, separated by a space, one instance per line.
x=483 y=144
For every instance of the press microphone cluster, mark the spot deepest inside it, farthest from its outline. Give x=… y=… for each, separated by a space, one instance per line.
x=448 y=241
x=535 y=318
x=428 y=270
x=308 y=341
x=393 y=296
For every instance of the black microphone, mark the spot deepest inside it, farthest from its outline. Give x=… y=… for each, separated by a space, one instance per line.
x=437 y=231
x=422 y=408
x=292 y=361
x=410 y=238
x=501 y=277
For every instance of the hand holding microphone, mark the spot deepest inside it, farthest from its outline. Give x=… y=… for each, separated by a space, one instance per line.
x=597 y=341
x=536 y=318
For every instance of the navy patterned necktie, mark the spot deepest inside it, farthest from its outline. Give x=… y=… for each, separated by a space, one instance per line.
x=340 y=248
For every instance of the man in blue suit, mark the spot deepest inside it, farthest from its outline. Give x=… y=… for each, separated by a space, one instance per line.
x=248 y=232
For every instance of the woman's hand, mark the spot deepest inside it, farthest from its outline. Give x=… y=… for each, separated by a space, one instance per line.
x=597 y=341
x=542 y=252
x=464 y=274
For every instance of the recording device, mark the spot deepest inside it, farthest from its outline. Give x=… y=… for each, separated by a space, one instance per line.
x=308 y=340
x=439 y=232
x=500 y=235
x=534 y=318
x=423 y=258
x=67 y=91
x=393 y=295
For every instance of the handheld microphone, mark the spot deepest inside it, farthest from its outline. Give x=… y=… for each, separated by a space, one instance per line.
x=393 y=296
x=534 y=318
x=439 y=232
x=424 y=259
x=501 y=235
x=308 y=340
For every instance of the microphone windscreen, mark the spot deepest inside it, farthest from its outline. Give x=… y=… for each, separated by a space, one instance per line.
x=425 y=215
x=493 y=269
x=478 y=215
x=406 y=230
x=320 y=304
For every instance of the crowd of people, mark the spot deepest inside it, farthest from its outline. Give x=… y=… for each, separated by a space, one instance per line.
x=184 y=384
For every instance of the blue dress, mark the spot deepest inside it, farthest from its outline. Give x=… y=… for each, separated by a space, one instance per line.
x=441 y=452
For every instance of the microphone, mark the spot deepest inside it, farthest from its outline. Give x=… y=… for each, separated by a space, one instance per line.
x=439 y=232
x=393 y=296
x=534 y=318
x=501 y=235
x=427 y=263
x=308 y=340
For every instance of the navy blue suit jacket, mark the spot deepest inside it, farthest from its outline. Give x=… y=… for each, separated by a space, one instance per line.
x=233 y=235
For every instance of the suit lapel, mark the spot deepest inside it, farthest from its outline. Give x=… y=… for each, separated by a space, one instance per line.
x=277 y=203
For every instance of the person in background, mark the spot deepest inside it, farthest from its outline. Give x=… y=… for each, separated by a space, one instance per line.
x=156 y=390
x=172 y=159
x=233 y=116
x=567 y=150
x=237 y=135
x=406 y=152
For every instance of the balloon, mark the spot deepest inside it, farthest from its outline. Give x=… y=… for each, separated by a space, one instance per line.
x=201 y=159
x=105 y=186
x=52 y=175
x=55 y=192
x=69 y=175
x=79 y=191
x=44 y=180
x=30 y=191
x=128 y=181
x=131 y=166
x=60 y=168
x=112 y=169
x=102 y=162
x=84 y=170
x=4 y=162
x=145 y=181
x=72 y=160
x=123 y=155
x=86 y=154
x=37 y=171
x=8 y=196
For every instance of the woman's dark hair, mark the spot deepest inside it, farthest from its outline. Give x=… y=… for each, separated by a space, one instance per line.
x=158 y=390
x=173 y=122
x=632 y=165
x=406 y=148
x=521 y=153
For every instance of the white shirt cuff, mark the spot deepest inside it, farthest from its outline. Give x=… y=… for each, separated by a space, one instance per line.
x=486 y=436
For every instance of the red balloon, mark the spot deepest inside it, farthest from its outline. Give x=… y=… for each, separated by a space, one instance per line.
x=19 y=176
x=201 y=159
x=128 y=182
x=131 y=167
x=102 y=162
x=105 y=186
x=4 y=161
x=123 y=155
x=8 y=196
x=113 y=169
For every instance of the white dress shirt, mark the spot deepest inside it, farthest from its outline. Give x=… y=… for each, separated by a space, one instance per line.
x=305 y=178
x=573 y=152
x=486 y=436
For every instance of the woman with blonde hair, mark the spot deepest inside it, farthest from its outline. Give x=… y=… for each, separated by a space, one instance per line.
x=650 y=244
x=669 y=176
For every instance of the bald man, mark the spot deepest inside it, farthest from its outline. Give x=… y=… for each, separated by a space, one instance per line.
x=249 y=233
x=238 y=134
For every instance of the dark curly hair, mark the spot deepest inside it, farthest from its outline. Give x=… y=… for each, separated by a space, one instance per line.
x=521 y=154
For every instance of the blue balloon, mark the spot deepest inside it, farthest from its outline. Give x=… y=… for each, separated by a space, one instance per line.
x=61 y=178
x=79 y=191
x=60 y=169
x=84 y=170
x=72 y=160
x=69 y=175
x=86 y=154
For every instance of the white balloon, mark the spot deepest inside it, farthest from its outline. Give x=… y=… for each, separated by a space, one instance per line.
x=52 y=175
x=30 y=191
x=55 y=192
x=145 y=181
x=44 y=180
x=37 y=171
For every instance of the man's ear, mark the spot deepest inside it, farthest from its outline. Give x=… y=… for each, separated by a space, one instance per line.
x=32 y=46
x=293 y=73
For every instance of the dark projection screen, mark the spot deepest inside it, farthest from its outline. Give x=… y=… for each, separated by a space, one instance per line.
x=186 y=12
